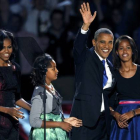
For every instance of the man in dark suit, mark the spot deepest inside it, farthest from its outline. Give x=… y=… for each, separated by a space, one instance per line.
x=94 y=80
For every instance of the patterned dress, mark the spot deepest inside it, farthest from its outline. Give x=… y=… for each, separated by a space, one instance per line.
x=53 y=113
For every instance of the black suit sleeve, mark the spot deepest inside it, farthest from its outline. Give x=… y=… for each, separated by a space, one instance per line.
x=80 y=48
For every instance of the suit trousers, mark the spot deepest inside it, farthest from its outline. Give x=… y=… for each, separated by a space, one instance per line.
x=98 y=132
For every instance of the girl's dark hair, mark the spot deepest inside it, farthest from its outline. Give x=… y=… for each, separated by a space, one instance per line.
x=8 y=35
x=40 y=66
x=116 y=59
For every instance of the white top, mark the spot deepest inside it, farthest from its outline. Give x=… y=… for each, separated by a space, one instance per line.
x=109 y=81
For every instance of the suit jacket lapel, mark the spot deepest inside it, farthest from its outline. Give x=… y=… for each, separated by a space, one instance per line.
x=99 y=65
x=112 y=71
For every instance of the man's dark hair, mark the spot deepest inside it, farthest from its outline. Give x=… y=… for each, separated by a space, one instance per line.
x=56 y=11
x=102 y=30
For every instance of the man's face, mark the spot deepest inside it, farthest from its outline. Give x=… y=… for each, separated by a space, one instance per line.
x=103 y=45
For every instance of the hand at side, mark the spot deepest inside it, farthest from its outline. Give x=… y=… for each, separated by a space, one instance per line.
x=74 y=121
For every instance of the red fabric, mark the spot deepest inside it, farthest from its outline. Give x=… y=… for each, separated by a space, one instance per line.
x=22 y=134
x=66 y=108
x=129 y=102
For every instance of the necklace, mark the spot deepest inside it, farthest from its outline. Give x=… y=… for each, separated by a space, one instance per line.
x=51 y=88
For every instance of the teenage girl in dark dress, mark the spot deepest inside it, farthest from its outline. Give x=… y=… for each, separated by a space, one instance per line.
x=126 y=122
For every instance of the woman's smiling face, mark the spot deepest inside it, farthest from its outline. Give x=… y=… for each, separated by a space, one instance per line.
x=7 y=50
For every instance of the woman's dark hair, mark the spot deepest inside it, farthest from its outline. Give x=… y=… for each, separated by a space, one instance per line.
x=8 y=35
x=40 y=66
x=116 y=59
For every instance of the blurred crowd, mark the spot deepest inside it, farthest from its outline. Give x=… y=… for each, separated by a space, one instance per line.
x=54 y=25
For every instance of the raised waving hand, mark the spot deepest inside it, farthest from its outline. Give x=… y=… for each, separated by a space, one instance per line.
x=88 y=18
